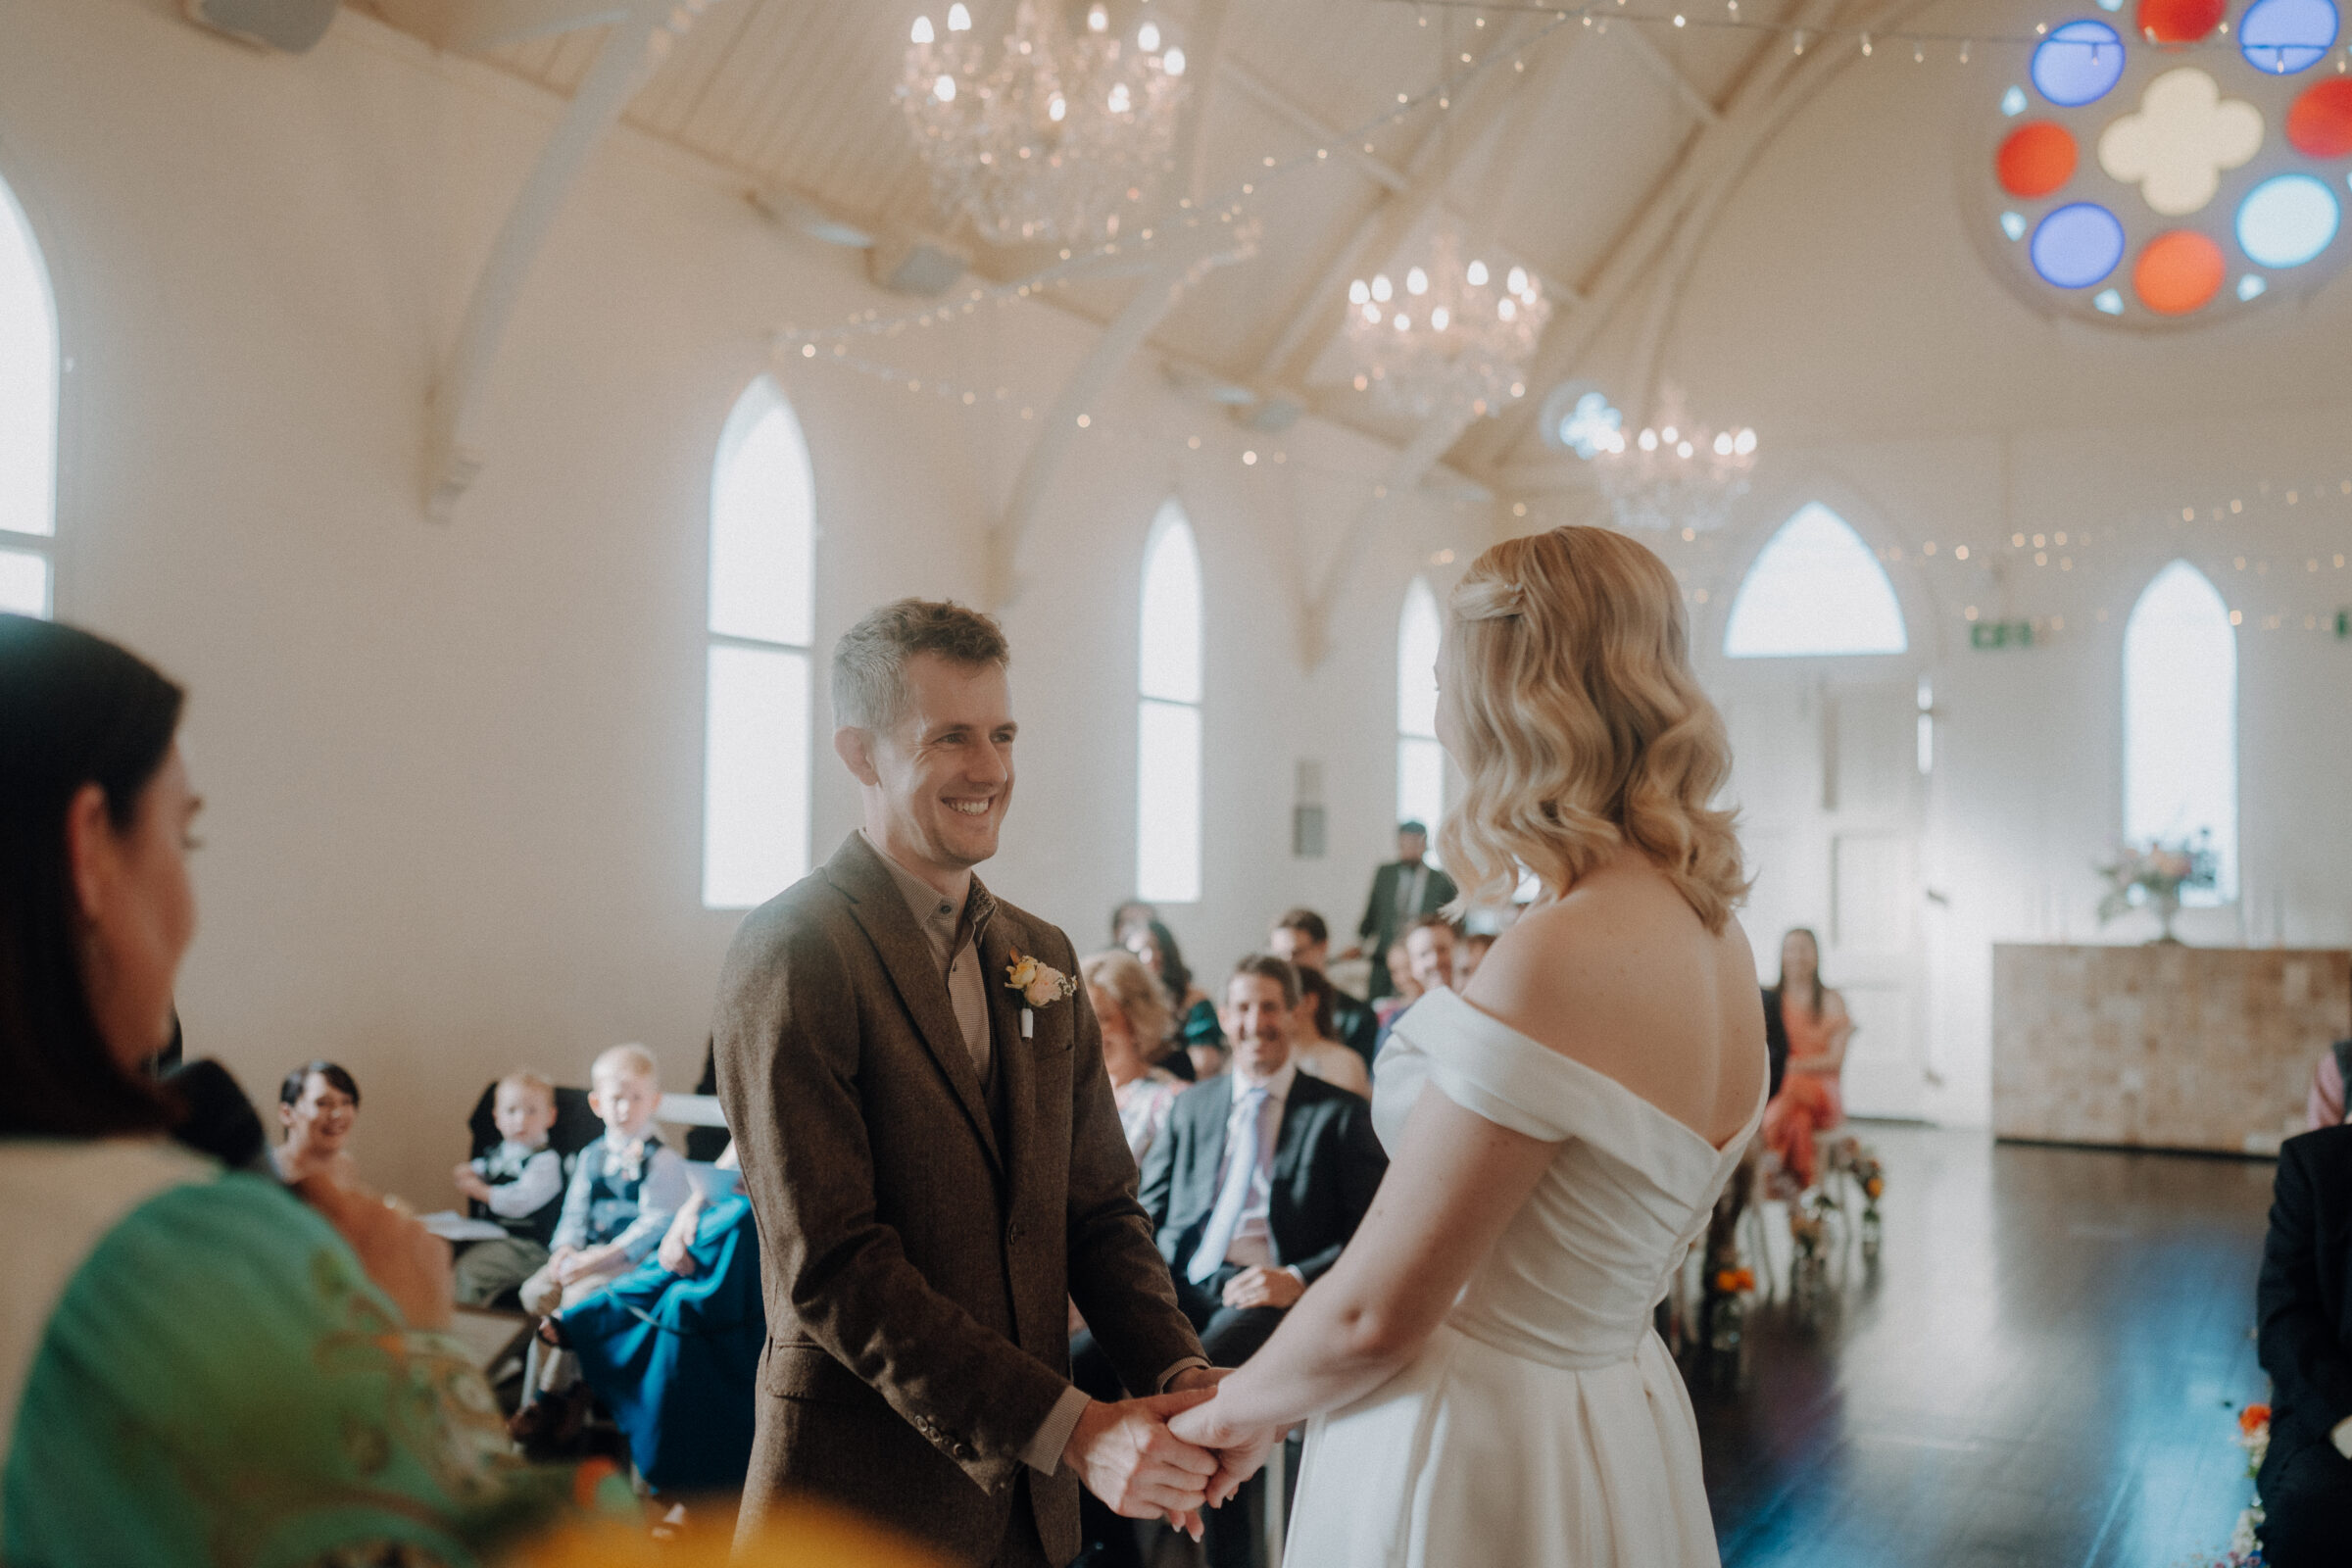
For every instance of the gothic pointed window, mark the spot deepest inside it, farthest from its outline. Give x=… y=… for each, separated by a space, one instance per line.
x=28 y=363
x=757 y=714
x=1420 y=761
x=1815 y=590
x=2181 y=722
x=1168 y=758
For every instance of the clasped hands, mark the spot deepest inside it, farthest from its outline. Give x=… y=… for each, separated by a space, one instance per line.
x=1168 y=1456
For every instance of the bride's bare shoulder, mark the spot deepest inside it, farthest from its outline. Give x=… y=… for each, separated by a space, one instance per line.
x=1621 y=975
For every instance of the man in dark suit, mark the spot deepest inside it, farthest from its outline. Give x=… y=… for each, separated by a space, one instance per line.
x=1402 y=890
x=933 y=1156
x=1302 y=937
x=1260 y=1179
x=2305 y=1325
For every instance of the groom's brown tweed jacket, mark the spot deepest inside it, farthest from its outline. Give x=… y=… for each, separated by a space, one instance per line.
x=917 y=1252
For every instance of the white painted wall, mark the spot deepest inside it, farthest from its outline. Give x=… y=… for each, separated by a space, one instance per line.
x=454 y=772
x=1842 y=309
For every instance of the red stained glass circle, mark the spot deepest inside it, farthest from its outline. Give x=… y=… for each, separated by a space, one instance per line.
x=2320 y=124
x=2179 y=21
x=2179 y=271
x=2035 y=159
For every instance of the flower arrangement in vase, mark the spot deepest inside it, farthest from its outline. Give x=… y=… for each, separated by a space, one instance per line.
x=2153 y=874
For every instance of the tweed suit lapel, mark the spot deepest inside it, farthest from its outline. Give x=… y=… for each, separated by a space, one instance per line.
x=1016 y=1058
x=881 y=912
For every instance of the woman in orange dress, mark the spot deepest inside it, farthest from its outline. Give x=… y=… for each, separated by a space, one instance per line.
x=1818 y=1025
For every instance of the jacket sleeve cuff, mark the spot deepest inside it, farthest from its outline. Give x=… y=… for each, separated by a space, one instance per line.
x=1188 y=1364
x=2341 y=1437
x=1043 y=1453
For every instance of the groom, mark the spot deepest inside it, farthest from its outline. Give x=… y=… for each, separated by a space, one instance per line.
x=933 y=1158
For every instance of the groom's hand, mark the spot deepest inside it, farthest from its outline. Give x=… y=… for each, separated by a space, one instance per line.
x=1241 y=1450
x=1126 y=1457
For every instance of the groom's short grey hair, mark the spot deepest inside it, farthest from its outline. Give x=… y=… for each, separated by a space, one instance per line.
x=870 y=663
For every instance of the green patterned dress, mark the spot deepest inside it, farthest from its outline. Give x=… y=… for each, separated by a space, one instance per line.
x=194 y=1370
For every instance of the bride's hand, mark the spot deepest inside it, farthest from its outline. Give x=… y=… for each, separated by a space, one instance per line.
x=1241 y=1450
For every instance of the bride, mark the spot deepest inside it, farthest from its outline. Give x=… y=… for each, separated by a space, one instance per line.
x=1480 y=1371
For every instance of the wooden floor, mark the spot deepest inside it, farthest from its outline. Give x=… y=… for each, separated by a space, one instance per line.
x=2044 y=1370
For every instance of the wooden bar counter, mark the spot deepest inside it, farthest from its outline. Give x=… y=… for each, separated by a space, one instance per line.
x=2163 y=1046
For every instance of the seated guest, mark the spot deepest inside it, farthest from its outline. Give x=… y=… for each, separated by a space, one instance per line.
x=317 y=1106
x=1134 y=1018
x=1318 y=1054
x=1807 y=1103
x=2304 y=1327
x=201 y=1366
x=672 y=1349
x=1403 y=992
x=1429 y=943
x=1259 y=1181
x=1195 y=1015
x=1302 y=937
x=1468 y=954
x=2324 y=1105
x=518 y=1186
x=625 y=1188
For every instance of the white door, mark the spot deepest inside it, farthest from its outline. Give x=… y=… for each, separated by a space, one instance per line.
x=1825 y=772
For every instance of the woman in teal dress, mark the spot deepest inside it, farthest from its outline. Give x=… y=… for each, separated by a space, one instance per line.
x=196 y=1366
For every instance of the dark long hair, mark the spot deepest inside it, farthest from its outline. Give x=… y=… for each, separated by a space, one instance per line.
x=74 y=709
x=1172 y=971
x=1820 y=986
x=289 y=1091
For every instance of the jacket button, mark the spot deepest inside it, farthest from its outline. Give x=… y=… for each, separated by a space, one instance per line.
x=1012 y=1231
x=963 y=1451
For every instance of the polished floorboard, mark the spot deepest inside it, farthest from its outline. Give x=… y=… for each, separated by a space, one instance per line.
x=2043 y=1370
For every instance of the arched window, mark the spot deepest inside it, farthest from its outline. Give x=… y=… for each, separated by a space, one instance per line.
x=1420 y=761
x=1815 y=589
x=1167 y=718
x=762 y=621
x=27 y=418
x=2181 y=722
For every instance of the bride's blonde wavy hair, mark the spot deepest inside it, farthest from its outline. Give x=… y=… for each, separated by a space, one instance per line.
x=1581 y=725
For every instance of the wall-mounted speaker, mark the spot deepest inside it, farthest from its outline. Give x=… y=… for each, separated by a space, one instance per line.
x=291 y=26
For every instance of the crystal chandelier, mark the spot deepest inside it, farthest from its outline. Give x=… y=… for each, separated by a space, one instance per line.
x=1675 y=475
x=1452 y=339
x=1046 y=139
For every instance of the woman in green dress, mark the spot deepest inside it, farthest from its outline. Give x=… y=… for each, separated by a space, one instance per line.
x=196 y=1366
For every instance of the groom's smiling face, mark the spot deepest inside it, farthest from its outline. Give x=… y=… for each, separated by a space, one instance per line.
x=942 y=775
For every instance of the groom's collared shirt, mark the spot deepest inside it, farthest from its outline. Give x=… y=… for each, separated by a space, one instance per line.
x=953 y=930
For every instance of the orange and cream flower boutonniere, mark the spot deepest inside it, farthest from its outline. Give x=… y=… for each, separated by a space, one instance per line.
x=1041 y=985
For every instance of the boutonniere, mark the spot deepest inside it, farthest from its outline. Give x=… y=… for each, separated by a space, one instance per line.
x=1040 y=984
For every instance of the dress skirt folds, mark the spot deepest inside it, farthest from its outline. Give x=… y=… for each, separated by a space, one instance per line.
x=675 y=1358
x=1543 y=1423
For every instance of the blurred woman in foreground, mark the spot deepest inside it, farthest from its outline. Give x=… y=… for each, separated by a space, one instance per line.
x=198 y=1367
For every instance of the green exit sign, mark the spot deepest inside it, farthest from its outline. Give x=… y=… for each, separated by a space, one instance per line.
x=1990 y=634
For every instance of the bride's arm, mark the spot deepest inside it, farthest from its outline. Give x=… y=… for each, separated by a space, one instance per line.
x=1456 y=1183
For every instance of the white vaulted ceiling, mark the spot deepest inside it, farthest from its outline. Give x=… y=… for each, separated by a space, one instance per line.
x=1594 y=155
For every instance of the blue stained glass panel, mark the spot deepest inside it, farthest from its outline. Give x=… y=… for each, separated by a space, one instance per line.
x=2284 y=36
x=2081 y=62
x=2078 y=245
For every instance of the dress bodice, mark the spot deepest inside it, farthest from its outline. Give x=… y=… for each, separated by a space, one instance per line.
x=1574 y=1278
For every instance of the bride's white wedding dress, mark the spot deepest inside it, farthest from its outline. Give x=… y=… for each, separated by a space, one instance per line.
x=1543 y=1423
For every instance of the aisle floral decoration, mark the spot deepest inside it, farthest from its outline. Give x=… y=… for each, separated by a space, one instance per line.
x=2245 y=1545
x=2153 y=874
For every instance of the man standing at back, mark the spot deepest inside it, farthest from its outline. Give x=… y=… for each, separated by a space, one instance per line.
x=1402 y=890
x=933 y=1154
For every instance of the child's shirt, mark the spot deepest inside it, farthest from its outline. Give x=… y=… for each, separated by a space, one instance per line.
x=526 y=1189
x=624 y=1192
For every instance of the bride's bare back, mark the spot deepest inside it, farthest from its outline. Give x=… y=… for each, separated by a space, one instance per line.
x=1620 y=974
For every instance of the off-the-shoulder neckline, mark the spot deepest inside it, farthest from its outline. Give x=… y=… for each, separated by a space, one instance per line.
x=1736 y=1142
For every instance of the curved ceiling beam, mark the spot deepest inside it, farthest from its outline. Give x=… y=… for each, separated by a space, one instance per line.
x=635 y=45
x=1121 y=338
x=1316 y=314
x=1671 y=280
x=1406 y=475
x=1627 y=264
